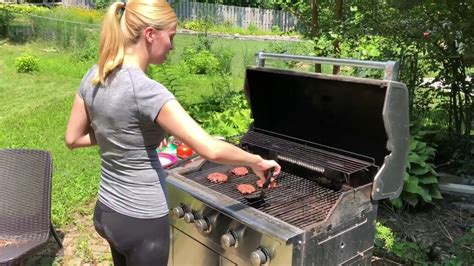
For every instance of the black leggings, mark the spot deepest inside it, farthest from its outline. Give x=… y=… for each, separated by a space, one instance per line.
x=133 y=241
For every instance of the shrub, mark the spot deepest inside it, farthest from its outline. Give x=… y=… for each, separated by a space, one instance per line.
x=173 y=77
x=462 y=249
x=276 y=29
x=201 y=62
x=197 y=25
x=224 y=55
x=410 y=252
x=252 y=28
x=90 y=49
x=27 y=63
x=24 y=9
x=6 y=18
x=421 y=181
x=224 y=112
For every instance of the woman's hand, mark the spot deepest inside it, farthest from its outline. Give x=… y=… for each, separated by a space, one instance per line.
x=261 y=167
x=163 y=144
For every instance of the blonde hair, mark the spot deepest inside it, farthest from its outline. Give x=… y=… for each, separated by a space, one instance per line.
x=122 y=27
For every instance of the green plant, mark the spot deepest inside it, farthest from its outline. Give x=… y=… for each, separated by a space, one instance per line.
x=276 y=29
x=252 y=28
x=201 y=62
x=409 y=252
x=224 y=55
x=197 y=25
x=420 y=178
x=6 y=18
x=384 y=237
x=462 y=250
x=224 y=112
x=83 y=248
x=101 y=4
x=89 y=50
x=27 y=63
x=173 y=77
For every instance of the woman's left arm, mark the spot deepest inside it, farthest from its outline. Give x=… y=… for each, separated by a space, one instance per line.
x=79 y=132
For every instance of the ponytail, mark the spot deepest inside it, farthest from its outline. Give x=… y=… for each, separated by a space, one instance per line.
x=121 y=31
x=112 y=48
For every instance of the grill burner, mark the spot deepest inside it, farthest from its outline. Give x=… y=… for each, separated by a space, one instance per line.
x=295 y=200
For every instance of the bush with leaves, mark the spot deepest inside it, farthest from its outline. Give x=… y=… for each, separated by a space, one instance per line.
x=409 y=252
x=201 y=62
x=462 y=250
x=27 y=63
x=172 y=76
x=224 y=112
x=224 y=55
x=196 y=25
x=420 y=178
x=90 y=48
x=295 y=48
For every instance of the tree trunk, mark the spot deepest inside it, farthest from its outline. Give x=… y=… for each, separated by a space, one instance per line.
x=314 y=18
x=315 y=28
x=337 y=49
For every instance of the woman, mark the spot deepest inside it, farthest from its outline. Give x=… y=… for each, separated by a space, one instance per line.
x=127 y=114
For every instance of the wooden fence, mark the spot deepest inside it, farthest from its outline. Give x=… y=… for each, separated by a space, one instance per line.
x=78 y=3
x=238 y=16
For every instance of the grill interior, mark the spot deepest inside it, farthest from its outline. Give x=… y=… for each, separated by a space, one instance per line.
x=348 y=164
x=295 y=200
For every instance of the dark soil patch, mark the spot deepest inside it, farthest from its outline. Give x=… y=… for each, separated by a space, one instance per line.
x=433 y=227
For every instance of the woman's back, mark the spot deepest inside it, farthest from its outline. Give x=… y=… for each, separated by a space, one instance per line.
x=122 y=115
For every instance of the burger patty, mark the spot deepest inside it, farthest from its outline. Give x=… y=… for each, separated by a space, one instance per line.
x=217 y=178
x=245 y=189
x=240 y=171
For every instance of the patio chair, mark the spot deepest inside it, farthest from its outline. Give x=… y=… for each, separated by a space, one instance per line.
x=25 y=204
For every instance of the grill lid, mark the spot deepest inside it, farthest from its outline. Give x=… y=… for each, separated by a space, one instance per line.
x=364 y=116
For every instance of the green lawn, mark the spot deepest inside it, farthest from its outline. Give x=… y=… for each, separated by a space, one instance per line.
x=34 y=111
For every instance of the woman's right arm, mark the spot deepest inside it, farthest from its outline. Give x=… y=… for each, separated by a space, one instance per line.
x=79 y=132
x=176 y=121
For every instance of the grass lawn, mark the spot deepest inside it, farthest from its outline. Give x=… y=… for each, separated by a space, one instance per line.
x=34 y=111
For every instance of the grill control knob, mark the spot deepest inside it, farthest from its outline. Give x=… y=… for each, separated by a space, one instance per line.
x=202 y=225
x=178 y=212
x=258 y=257
x=228 y=240
x=189 y=217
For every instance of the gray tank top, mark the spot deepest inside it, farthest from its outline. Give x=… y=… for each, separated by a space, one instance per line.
x=123 y=116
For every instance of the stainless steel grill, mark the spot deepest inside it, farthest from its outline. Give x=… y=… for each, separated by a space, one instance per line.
x=342 y=144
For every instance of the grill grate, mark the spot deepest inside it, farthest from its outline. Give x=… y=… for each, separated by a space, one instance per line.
x=295 y=200
x=308 y=155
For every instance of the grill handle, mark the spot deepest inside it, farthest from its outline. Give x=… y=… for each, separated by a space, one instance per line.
x=390 y=67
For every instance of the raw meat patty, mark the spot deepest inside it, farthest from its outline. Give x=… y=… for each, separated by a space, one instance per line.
x=240 y=171
x=272 y=184
x=245 y=188
x=217 y=178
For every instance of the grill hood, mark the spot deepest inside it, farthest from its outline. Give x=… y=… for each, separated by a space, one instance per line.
x=356 y=115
